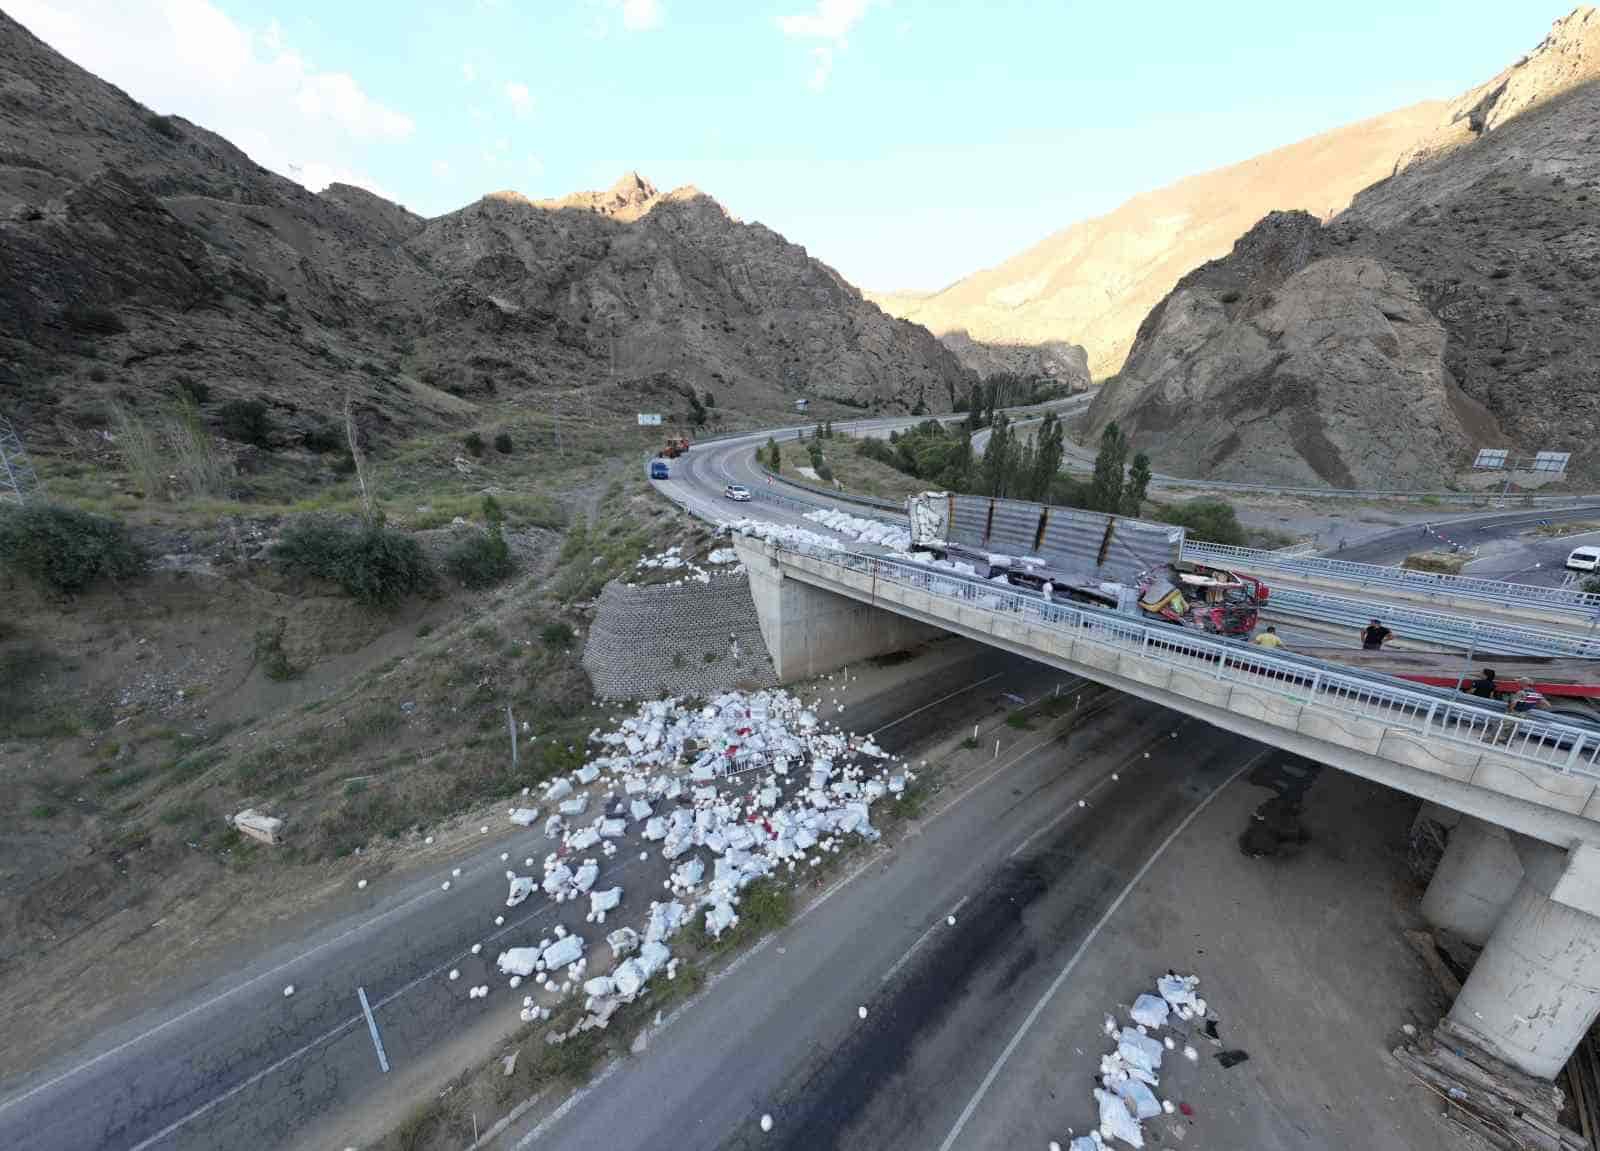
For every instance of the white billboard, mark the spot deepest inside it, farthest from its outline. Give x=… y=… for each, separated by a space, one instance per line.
x=1551 y=461
x=1491 y=458
x=649 y=419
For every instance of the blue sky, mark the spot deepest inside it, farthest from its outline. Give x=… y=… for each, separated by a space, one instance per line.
x=905 y=143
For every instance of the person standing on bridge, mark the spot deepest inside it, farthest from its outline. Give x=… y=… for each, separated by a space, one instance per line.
x=1374 y=635
x=1484 y=686
x=1268 y=638
x=1048 y=591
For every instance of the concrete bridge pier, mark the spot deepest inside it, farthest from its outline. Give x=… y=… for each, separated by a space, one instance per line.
x=810 y=630
x=1535 y=990
x=1474 y=882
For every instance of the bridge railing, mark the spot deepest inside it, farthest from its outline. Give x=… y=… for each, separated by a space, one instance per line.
x=1559 y=746
x=1464 y=632
x=1379 y=575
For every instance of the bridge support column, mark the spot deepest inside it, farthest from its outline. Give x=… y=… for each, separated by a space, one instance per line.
x=1535 y=990
x=810 y=630
x=1474 y=882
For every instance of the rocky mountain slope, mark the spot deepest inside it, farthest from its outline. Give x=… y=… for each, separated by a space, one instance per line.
x=1092 y=283
x=141 y=251
x=1452 y=307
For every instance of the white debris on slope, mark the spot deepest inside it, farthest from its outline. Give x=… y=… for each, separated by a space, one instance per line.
x=785 y=535
x=747 y=785
x=672 y=560
x=862 y=530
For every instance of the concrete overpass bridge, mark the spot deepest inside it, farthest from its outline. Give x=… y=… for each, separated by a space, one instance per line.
x=1529 y=865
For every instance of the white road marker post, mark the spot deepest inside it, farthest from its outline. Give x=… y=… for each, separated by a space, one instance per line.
x=511 y=726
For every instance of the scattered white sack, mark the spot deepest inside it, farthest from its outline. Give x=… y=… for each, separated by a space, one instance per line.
x=689 y=873
x=477 y=948
x=1150 y=1011
x=665 y=920
x=445 y=886
x=584 y=840
x=1116 y=1121
x=563 y=952
x=603 y=901
x=288 y=991
x=524 y=816
x=861 y=1012
x=640 y=809
x=499 y=921
x=577 y=805
x=586 y=875
x=558 y=790
x=518 y=961
x=361 y=884
x=557 y=878
x=456 y=871
x=719 y=918
x=1139 y=1051
x=628 y=978
x=553 y=826
x=454 y=975
x=655 y=828
x=1191 y=1054
x=622 y=941
x=1170 y=1042
x=1167 y=1107
x=1084 y=1143
x=1143 y=1100
x=613 y=828
x=588 y=773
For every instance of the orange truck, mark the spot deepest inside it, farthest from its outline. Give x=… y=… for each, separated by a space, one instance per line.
x=676 y=446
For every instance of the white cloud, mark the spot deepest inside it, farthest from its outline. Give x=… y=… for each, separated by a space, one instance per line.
x=641 y=15
x=189 y=57
x=521 y=99
x=831 y=22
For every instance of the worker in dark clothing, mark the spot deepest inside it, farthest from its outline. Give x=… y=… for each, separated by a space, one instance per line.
x=1373 y=635
x=1484 y=686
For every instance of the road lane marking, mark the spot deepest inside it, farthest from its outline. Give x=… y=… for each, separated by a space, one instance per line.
x=1049 y=994
x=372 y=1026
x=935 y=703
x=921 y=939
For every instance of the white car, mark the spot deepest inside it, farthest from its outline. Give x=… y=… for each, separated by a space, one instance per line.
x=738 y=493
x=1583 y=559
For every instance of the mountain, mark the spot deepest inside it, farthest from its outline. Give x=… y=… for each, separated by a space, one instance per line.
x=1093 y=282
x=143 y=251
x=1453 y=306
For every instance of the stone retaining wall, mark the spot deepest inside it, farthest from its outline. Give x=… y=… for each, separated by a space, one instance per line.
x=651 y=641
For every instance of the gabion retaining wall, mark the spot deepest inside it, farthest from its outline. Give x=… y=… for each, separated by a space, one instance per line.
x=674 y=640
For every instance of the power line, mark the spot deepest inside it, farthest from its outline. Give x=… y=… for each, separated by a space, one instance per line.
x=18 y=483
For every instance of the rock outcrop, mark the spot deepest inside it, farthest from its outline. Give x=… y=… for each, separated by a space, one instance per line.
x=1054 y=360
x=1453 y=306
x=141 y=251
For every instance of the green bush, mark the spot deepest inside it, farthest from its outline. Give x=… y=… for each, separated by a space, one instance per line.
x=1213 y=521
x=558 y=634
x=66 y=549
x=375 y=565
x=503 y=444
x=247 y=421
x=481 y=559
x=473 y=442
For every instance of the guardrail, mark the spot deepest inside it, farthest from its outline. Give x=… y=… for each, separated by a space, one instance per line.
x=1435 y=715
x=1467 y=634
x=1379 y=575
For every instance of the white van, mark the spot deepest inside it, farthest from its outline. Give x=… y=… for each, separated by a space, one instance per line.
x=1583 y=559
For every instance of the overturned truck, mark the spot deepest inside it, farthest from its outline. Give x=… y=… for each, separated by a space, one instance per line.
x=1128 y=565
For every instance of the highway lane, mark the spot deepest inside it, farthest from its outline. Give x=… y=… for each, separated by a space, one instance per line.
x=239 y=1064
x=1027 y=875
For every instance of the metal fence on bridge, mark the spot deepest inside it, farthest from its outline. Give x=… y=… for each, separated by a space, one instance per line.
x=1558 y=746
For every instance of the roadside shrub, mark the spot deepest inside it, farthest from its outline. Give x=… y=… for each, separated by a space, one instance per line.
x=93 y=320
x=481 y=559
x=270 y=654
x=1213 y=521
x=247 y=421
x=558 y=634
x=163 y=126
x=374 y=565
x=66 y=549
x=473 y=442
x=503 y=444
x=322 y=439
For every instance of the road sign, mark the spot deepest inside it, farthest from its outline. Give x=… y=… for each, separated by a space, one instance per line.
x=649 y=419
x=1551 y=461
x=1491 y=459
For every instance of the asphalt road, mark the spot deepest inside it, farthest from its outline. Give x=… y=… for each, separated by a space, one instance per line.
x=238 y=1064
x=1505 y=553
x=1027 y=874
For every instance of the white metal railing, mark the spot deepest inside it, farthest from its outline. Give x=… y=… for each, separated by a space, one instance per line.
x=1380 y=575
x=1561 y=747
x=1464 y=632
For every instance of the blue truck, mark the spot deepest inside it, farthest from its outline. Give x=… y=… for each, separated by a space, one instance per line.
x=658 y=470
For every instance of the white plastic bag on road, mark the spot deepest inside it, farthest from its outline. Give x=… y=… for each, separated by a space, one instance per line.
x=518 y=961
x=605 y=900
x=1143 y=1100
x=1178 y=990
x=562 y=952
x=1139 y=1051
x=521 y=888
x=524 y=816
x=560 y=789
x=1116 y=1121
x=1150 y=1010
